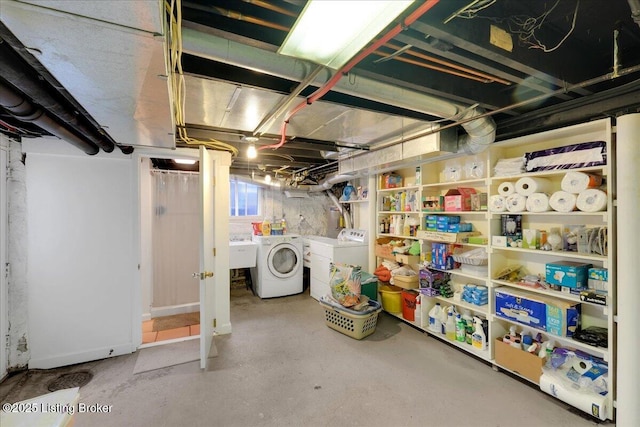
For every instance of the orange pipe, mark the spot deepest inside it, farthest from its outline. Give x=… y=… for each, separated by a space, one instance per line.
x=345 y=69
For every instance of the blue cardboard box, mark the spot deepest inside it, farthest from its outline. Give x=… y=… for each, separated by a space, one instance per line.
x=547 y=314
x=571 y=274
x=518 y=306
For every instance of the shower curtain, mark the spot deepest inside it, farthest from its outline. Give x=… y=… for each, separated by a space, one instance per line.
x=175 y=237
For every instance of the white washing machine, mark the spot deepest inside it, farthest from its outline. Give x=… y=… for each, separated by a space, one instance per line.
x=279 y=268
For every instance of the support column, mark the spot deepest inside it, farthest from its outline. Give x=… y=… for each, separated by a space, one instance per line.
x=628 y=269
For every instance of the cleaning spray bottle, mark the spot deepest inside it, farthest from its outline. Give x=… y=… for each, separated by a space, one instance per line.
x=479 y=339
x=417 y=317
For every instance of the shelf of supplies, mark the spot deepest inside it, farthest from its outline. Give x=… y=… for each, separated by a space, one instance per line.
x=478 y=182
x=569 y=342
x=601 y=169
x=397 y=212
x=563 y=254
x=484 y=309
x=353 y=201
x=551 y=293
x=399 y=236
x=547 y=292
x=484 y=213
x=482 y=354
x=603 y=214
x=388 y=190
x=457 y=272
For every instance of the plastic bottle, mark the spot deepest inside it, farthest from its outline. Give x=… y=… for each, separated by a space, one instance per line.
x=417 y=316
x=283 y=223
x=435 y=314
x=479 y=339
x=406 y=226
x=266 y=227
x=460 y=328
x=450 y=327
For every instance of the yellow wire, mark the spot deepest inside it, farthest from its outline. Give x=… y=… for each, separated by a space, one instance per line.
x=178 y=81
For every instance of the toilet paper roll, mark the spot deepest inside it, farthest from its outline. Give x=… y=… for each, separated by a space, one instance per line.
x=538 y=202
x=575 y=182
x=562 y=201
x=516 y=203
x=527 y=185
x=506 y=188
x=497 y=203
x=591 y=403
x=592 y=200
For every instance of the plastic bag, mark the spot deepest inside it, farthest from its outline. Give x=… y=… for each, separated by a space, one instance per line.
x=345 y=280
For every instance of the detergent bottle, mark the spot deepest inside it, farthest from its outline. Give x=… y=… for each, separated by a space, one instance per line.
x=435 y=314
x=266 y=227
x=417 y=317
x=479 y=339
x=460 y=328
x=450 y=327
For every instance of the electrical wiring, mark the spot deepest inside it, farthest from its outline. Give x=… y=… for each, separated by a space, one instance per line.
x=348 y=66
x=174 y=10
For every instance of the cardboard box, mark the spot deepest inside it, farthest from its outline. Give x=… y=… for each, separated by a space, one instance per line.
x=530 y=238
x=441 y=255
x=433 y=203
x=458 y=199
x=440 y=236
x=479 y=202
x=511 y=225
x=406 y=282
x=571 y=274
x=598 y=279
x=519 y=361
x=557 y=317
x=447 y=219
x=391 y=180
x=478 y=240
x=407 y=259
x=460 y=228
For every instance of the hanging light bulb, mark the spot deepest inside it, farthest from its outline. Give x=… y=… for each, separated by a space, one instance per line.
x=252 y=153
x=267 y=178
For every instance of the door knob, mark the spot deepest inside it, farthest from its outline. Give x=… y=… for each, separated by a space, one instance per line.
x=202 y=276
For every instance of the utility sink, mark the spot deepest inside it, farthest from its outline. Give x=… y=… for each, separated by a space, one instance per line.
x=242 y=254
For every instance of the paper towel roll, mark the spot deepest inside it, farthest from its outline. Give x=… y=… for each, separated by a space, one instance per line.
x=516 y=203
x=538 y=202
x=592 y=200
x=591 y=403
x=506 y=188
x=497 y=203
x=527 y=185
x=562 y=201
x=575 y=182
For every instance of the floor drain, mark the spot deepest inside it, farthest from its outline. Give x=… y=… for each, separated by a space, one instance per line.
x=70 y=380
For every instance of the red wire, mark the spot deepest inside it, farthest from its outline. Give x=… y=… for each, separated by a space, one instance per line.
x=348 y=66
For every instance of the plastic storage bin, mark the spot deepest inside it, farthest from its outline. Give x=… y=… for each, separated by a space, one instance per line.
x=409 y=304
x=351 y=322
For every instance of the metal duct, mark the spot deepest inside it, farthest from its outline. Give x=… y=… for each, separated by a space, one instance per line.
x=240 y=55
x=25 y=111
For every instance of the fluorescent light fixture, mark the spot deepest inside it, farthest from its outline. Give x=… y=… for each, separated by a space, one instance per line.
x=330 y=33
x=252 y=153
x=185 y=161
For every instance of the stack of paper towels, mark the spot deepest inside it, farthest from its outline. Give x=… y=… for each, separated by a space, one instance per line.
x=578 y=191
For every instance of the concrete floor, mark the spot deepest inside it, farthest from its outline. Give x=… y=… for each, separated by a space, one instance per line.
x=282 y=366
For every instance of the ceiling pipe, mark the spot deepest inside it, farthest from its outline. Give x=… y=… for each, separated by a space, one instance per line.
x=635 y=10
x=19 y=75
x=25 y=111
x=240 y=55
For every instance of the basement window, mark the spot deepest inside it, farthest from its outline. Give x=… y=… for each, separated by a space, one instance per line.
x=245 y=200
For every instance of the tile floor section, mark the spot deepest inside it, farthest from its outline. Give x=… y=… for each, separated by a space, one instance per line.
x=149 y=335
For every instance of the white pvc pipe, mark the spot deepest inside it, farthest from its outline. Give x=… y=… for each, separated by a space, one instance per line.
x=628 y=269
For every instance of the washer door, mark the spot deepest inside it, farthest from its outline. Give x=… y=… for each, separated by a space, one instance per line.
x=284 y=260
